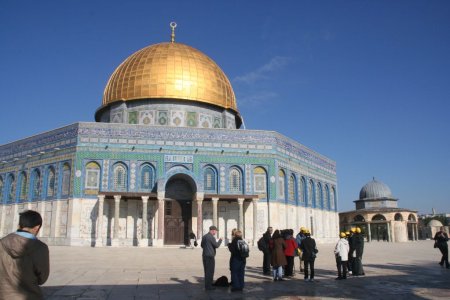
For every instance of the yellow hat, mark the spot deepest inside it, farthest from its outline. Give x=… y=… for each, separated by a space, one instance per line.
x=358 y=230
x=353 y=229
x=342 y=235
x=347 y=232
x=306 y=230
x=302 y=229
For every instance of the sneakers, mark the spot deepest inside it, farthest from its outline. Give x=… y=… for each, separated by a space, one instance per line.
x=311 y=280
x=338 y=278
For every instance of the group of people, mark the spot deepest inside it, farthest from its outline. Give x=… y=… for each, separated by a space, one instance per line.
x=349 y=251
x=279 y=249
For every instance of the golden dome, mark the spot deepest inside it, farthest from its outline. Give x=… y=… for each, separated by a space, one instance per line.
x=170 y=70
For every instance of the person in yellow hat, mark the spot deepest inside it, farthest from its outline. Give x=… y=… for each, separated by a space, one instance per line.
x=341 y=252
x=358 y=246
x=351 y=251
x=299 y=238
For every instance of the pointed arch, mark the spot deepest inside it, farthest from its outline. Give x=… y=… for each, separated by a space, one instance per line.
x=35 y=184
x=11 y=189
x=51 y=182
x=92 y=176
x=210 y=179
x=65 y=185
x=235 y=180
x=281 y=184
x=292 y=188
x=311 y=193
x=260 y=182
x=120 y=177
x=147 y=177
x=23 y=189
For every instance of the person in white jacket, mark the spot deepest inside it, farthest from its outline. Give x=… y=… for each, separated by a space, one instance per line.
x=341 y=253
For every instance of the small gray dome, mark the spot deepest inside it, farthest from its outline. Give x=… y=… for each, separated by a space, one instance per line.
x=434 y=223
x=375 y=189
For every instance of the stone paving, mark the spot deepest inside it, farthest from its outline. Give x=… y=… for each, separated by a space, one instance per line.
x=393 y=271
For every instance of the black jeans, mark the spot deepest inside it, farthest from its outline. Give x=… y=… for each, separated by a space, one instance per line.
x=209 y=265
x=266 y=261
x=341 y=267
x=309 y=264
x=289 y=270
x=444 y=259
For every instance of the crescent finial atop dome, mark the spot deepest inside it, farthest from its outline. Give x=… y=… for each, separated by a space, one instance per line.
x=173 y=25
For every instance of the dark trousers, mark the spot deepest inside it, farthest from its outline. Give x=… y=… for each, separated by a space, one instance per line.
x=289 y=271
x=309 y=264
x=266 y=261
x=341 y=267
x=444 y=259
x=209 y=265
x=237 y=273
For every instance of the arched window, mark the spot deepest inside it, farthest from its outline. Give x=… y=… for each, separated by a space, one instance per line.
x=319 y=195
x=1 y=189
x=302 y=192
x=358 y=218
x=333 y=198
x=23 y=186
x=51 y=185
x=92 y=176
x=378 y=218
x=235 y=180
x=147 y=177
x=35 y=184
x=11 y=184
x=411 y=218
x=326 y=201
x=120 y=177
x=281 y=181
x=209 y=179
x=398 y=217
x=65 y=190
x=291 y=188
x=260 y=181
x=310 y=193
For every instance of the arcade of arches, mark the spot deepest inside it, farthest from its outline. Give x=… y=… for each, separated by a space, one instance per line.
x=174 y=214
x=383 y=225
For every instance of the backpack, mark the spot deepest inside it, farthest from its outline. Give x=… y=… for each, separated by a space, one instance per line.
x=222 y=281
x=243 y=248
x=261 y=244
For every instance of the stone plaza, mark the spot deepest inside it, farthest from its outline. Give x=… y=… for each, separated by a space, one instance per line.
x=393 y=271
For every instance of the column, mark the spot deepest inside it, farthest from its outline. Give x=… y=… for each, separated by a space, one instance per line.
x=241 y=215
x=199 y=200
x=413 y=232
x=255 y=219
x=417 y=231
x=115 y=239
x=160 y=238
x=214 y=204
x=99 y=238
x=390 y=237
x=369 y=233
x=144 y=241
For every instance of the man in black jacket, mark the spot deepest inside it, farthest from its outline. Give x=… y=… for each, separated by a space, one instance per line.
x=209 y=245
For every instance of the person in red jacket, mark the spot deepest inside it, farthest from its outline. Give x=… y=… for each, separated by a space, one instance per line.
x=291 y=247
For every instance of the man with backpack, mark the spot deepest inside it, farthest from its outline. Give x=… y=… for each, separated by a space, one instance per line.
x=239 y=252
x=263 y=245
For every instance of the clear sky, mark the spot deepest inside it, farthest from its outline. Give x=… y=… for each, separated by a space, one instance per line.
x=365 y=83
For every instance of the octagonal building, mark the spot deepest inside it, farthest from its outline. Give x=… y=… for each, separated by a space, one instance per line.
x=165 y=157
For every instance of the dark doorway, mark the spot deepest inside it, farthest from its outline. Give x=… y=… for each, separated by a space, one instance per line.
x=178 y=212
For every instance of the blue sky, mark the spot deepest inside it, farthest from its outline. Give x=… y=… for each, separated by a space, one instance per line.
x=366 y=83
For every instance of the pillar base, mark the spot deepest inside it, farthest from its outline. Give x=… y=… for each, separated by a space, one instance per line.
x=115 y=243
x=158 y=243
x=99 y=243
x=143 y=243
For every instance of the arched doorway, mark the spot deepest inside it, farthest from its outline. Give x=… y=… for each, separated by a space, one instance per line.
x=178 y=210
x=379 y=229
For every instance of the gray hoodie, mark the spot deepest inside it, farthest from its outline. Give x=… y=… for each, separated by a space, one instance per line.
x=24 y=265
